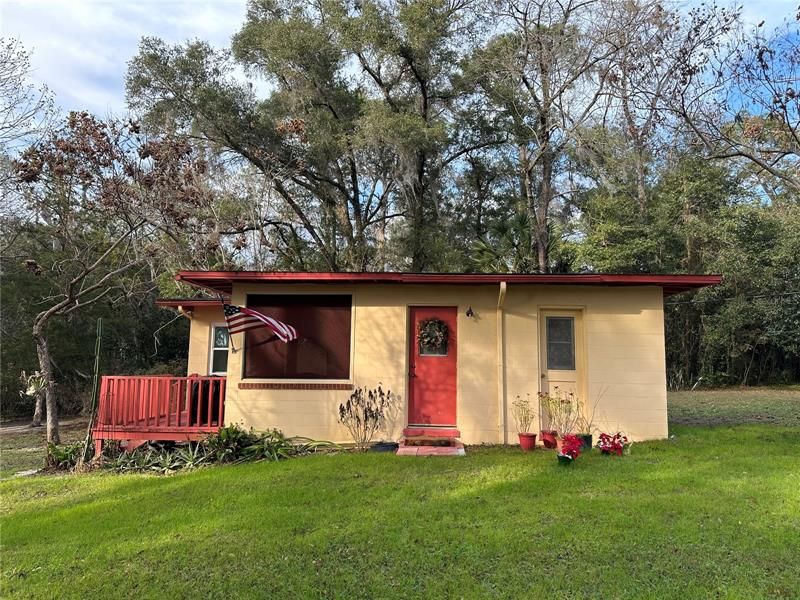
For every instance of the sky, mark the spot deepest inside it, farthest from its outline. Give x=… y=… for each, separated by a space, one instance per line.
x=81 y=47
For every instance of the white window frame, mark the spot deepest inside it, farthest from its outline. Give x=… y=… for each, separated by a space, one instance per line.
x=212 y=349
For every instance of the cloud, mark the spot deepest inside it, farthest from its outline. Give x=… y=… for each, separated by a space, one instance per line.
x=81 y=47
x=772 y=12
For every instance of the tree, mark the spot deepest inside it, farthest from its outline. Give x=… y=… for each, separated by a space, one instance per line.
x=24 y=108
x=546 y=71
x=637 y=130
x=741 y=99
x=102 y=197
x=355 y=132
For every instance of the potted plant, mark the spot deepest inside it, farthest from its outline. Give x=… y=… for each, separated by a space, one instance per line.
x=586 y=422
x=612 y=444
x=563 y=412
x=383 y=446
x=585 y=426
x=548 y=436
x=523 y=416
x=571 y=446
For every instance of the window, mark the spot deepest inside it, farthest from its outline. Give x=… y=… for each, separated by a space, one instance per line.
x=322 y=347
x=561 y=343
x=219 y=350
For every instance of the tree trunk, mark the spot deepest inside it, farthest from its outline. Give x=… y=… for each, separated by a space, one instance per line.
x=37 y=411
x=526 y=191
x=421 y=223
x=43 y=352
x=545 y=197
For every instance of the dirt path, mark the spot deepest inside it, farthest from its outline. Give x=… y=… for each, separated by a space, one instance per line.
x=25 y=426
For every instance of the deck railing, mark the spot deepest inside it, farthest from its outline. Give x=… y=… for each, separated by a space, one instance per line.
x=154 y=403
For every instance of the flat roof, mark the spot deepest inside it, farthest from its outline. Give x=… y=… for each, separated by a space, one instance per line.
x=221 y=282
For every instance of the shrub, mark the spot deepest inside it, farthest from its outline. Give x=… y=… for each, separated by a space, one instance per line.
x=271 y=445
x=364 y=413
x=63 y=457
x=229 y=443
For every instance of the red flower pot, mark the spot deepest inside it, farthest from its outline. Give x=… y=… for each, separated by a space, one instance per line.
x=549 y=438
x=527 y=441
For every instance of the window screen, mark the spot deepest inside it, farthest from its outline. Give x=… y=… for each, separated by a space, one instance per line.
x=219 y=350
x=561 y=343
x=322 y=349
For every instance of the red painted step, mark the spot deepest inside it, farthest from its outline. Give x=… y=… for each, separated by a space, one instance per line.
x=432 y=432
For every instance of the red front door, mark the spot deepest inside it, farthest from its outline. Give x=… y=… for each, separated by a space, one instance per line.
x=432 y=366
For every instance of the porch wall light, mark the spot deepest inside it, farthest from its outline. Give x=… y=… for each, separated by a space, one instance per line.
x=470 y=313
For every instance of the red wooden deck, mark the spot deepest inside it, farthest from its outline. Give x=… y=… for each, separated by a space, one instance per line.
x=156 y=407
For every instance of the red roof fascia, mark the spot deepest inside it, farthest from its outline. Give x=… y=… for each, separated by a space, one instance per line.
x=187 y=302
x=222 y=281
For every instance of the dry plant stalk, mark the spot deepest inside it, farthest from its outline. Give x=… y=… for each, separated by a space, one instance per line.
x=523 y=413
x=364 y=414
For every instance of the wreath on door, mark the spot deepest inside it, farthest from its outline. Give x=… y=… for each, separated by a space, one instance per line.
x=432 y=336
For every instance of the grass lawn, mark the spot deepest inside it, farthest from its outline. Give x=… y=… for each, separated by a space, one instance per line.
x=712 y=512
x=736 y=406
x=23 y=448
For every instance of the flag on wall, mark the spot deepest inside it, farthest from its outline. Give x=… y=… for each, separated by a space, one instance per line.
x=241 y=318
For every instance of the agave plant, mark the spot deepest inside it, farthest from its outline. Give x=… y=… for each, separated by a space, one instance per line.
x=165 y=462
x=192 y=456
x=271 y=445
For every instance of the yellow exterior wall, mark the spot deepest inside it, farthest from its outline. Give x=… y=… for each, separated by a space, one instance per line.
x=379 y=355
x=203 y=318
x=623 y=354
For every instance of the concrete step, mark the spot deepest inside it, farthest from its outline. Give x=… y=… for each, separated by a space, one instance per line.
x=456 y=448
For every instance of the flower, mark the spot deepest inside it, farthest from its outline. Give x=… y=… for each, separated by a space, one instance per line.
x=571 y=446
x=612 y=444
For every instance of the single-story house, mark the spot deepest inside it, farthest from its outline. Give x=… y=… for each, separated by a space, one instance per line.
x=599 y=336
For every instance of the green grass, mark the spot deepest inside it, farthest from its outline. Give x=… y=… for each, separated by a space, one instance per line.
x=25 y=448
x=736 y=406
x=712 y=512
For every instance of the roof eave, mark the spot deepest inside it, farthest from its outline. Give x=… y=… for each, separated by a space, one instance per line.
x=223 y=281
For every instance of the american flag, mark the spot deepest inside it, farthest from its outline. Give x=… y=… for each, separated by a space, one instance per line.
x=241 y=318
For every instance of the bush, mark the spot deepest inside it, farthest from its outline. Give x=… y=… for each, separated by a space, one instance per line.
x=364 y=413
x=231 y=444
x=64 y=457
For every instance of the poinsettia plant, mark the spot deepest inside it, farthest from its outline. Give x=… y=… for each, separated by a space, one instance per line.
x=571 y=446
x=612 y=444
